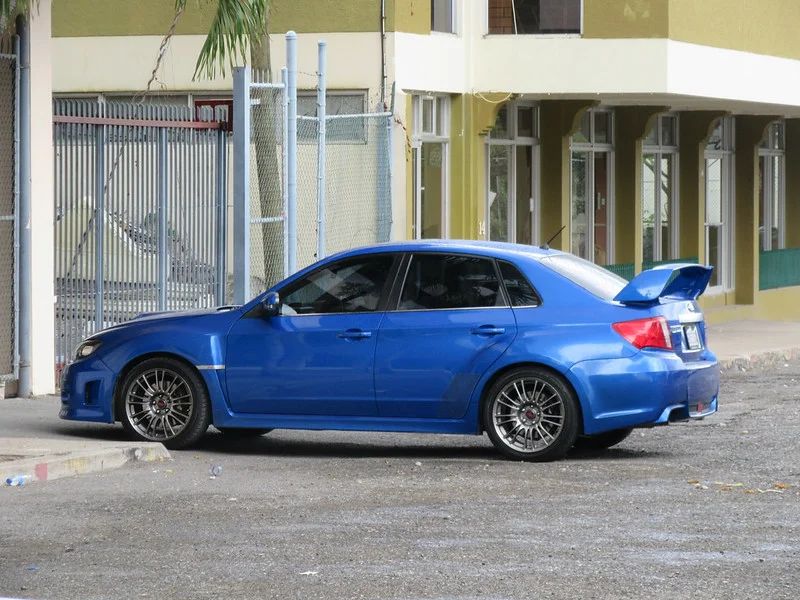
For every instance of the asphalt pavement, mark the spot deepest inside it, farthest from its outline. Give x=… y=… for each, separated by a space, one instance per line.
x=708 y=509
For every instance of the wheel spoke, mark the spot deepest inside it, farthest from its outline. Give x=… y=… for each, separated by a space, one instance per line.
x=510 y=399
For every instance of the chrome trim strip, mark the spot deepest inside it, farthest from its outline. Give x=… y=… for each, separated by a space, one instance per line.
x=210 y=367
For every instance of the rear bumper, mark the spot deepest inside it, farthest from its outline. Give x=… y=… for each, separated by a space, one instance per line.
x=87 y=388
x=651 y=388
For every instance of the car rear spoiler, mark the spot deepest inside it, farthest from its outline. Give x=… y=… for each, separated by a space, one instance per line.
x=671 y=282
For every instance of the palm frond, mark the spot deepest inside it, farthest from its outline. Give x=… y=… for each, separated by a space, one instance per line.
x=235 y=23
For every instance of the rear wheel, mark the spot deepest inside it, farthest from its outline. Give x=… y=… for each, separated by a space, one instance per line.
x=163 y=400
x=531 y=414
x=601 y=441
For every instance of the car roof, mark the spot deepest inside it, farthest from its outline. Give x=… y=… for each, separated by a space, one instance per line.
x=496 y=249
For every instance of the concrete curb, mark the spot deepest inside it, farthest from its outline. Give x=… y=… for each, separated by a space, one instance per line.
x=759 y=360
x=69 y=464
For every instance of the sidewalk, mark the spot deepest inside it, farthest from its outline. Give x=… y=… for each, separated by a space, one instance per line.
x=34 y=441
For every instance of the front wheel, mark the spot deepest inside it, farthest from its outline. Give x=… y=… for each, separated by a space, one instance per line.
x=163 y=400
x=531 y=414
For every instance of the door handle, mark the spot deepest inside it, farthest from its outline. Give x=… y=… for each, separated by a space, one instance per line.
x=354 y=334
x=488 y=330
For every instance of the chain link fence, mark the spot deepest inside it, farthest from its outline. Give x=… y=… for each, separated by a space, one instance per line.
x=267 y=185
x=8 y=208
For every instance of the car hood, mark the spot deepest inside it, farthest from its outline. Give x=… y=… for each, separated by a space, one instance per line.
x=168 y=316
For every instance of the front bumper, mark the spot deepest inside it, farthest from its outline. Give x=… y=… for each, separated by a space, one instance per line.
x=87 y=390
x=651 y=388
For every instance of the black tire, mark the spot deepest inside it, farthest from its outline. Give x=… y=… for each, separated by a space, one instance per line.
x=536 y=403
x=242 y=432
x=601 y=441
x=164 y=400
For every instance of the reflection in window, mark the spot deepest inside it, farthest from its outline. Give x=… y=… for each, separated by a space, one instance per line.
x=520 y=291
x=534 y=16
x=438 y=282
x=772 y=190
x=351 y=286
x=442 y=16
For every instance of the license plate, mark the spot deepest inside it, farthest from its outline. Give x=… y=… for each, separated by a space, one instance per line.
x=692 y=337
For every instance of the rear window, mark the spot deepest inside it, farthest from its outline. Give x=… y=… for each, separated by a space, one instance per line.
x=597 y=280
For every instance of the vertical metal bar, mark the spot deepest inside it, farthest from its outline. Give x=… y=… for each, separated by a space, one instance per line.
x=285 y=166
x=291 y=174
x=24 y=387
x=99 y=222
x=162 y=218
x=220 y=218
x=241 y=185
x=322 y=91
x=388 y=207
x=15 y=358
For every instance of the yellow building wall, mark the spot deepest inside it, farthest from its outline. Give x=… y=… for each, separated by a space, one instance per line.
x=90 y=18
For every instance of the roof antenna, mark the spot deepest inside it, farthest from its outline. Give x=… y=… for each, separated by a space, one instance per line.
x=546 y=245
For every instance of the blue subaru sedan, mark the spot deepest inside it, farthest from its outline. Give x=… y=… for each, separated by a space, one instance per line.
x=540 y=349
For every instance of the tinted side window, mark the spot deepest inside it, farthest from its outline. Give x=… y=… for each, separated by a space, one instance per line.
x=520 y=291
x=354 y=285
x=437 y=281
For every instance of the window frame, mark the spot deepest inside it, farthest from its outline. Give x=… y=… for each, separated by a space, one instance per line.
x=258 y=311
x=418 y=138
x=514 y=140
x=725 y=151
x=592 y=148
x=572 y=34
x=660 y=150
x=766 y=152
x=393 y=304
x=453 y=19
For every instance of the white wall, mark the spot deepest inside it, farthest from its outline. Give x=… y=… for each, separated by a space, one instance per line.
x=41 y=223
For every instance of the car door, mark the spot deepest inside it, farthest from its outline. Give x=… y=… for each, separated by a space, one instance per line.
x=317 y=356
x=450 y=323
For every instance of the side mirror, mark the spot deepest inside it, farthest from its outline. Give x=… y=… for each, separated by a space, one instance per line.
x=271 y=304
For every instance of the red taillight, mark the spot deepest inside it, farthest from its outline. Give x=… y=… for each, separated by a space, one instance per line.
x=646 y=333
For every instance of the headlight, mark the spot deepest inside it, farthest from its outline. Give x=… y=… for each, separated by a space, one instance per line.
x=86 y=348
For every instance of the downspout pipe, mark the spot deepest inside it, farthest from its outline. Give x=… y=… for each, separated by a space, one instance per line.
x=24 y=216
x=383 y=54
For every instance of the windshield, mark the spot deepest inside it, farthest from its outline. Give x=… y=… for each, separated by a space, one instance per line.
x=597 y=280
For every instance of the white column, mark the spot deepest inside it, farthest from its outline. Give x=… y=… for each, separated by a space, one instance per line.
x=42 y=193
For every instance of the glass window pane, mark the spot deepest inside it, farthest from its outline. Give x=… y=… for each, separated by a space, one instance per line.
x=441 y=282
x=526 y=121
x=580 y=190
x=763 y=202
x=601 y=175
x=778 y=136
x=649 y=196
x=442 y=127
x=432 y=189
x=669 y=128
x=777 y=173
x=520 y=291
x=597 y=280
x=582 y=135
x=427 y=114
x=715 y=141
x=501 y=129
x=714 y=235
x=602 y=128
x=538 y=16
x=524 y=181
x=499 y=181
x=351 y=286
x=651 y=139
x=665 y=196
x=442 y=16
x=501 y=17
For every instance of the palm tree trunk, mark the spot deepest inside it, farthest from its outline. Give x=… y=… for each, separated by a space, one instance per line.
x=264 y=121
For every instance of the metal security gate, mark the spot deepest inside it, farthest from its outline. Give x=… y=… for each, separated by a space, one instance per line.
x=140 y=214
x=9 y=203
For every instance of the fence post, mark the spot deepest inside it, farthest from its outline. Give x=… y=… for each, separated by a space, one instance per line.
x=241 y=185
x=322 y=91
x=222 y=214
x=24 y=216
x=99 y=219
x=285 y=166
x=291 y=170
x=162 y=218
